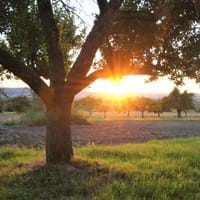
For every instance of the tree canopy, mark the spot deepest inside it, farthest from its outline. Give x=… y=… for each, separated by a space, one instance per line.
x=24 y=38
x=88 y=104
x=156 y=38
x=181 y=101
x=38 y=39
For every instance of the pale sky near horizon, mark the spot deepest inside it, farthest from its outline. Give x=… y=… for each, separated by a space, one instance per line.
x=132 y=84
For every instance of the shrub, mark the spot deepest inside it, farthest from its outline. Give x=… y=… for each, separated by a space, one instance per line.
x=79 y=118
x=30 y=118
x=18 y=104
x=37 y=104
x=35 y=118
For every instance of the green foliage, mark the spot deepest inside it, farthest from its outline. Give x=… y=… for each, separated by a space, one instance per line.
x=88 y=104
x=17 y=104
x=105 y=106
x=127 y=104
x=37 y=104
x=30 y=118
x=159 y=106
x=156 y=106
x=187 y=101
x=24 y=38
x=79 y=118
x=163 y=38
x=155 y=170
x=181 y=101
x=142 y=104
x=38 y=118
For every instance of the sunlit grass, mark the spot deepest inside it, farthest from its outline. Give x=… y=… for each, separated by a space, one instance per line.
x=155 y=170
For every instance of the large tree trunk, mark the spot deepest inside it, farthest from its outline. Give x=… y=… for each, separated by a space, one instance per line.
x=58 y=132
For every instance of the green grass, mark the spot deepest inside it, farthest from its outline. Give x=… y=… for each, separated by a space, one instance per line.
x=167 y=169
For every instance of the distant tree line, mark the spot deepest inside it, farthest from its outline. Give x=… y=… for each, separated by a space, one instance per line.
x=181 y=102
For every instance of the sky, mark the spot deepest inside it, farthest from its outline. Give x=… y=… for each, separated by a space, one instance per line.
x=131 y=84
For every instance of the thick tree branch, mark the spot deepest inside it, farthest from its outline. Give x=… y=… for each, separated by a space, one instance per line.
x=13 y=65
x=90 y=79
x=104 y=74
x=57 y=70
x=93 y=42
x=102 y=5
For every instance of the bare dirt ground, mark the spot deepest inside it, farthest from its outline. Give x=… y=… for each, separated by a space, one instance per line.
x=108 y=132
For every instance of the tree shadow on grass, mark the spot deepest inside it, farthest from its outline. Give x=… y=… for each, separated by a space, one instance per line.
x=80 y=180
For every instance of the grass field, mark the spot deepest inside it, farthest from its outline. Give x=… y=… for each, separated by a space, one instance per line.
x=167 y=169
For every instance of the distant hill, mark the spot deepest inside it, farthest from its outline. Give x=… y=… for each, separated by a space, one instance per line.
x=14 y=92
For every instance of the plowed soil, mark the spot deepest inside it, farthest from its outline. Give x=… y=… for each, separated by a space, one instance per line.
x=108 y=132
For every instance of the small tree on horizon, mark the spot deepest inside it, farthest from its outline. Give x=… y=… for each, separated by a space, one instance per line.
x=142 y=104
x=127 y=105
x=88 y=104
x=187 y=101
x=159 y=106
x=182 y=102
x=104 y=106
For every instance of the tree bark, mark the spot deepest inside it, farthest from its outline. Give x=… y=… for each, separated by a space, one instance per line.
x=128 y=114
x=178 y=113
x=142 y=115
x=185 y=113
x=93 y=41
x=58 y=132
x=18 y=68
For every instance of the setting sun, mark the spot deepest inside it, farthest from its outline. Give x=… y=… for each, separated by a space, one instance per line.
x=117 y=88
x=135 y=85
